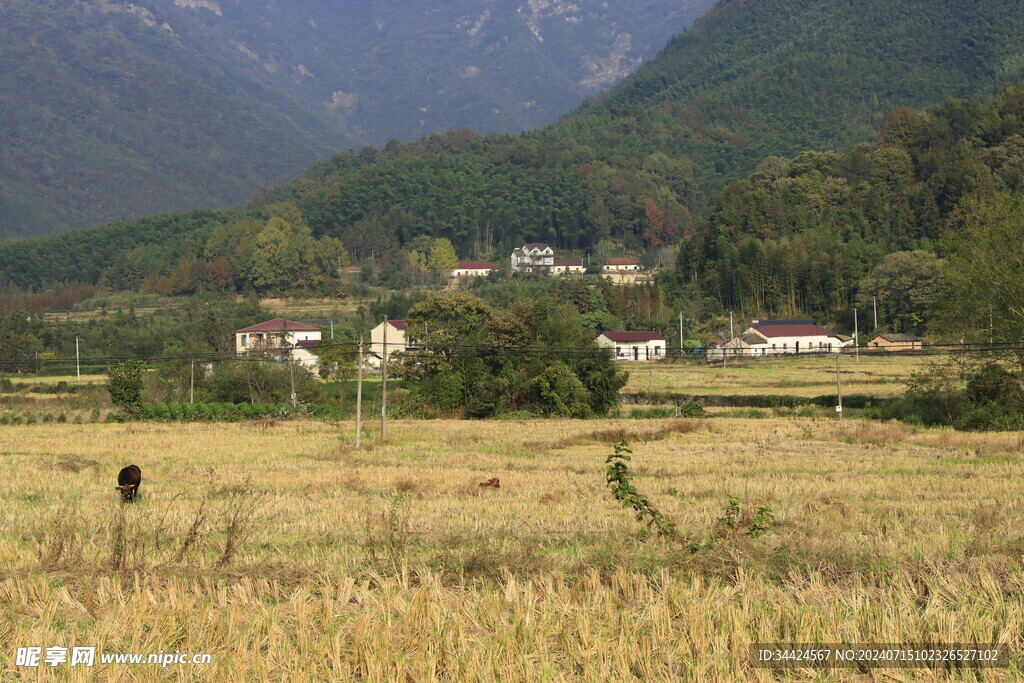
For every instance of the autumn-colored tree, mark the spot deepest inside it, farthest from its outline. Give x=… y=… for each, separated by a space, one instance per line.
x=663 y=228
x=220 y=275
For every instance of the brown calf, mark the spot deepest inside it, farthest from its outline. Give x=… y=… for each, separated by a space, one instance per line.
x=491 y=483
x=128 y=481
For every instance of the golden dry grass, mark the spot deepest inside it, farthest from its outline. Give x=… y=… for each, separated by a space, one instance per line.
x=390 y=562
x=806 y=376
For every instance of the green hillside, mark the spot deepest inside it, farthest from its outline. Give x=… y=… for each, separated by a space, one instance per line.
x=822 y=231
x=821 y=74
x=644 y=165
x=114 y=109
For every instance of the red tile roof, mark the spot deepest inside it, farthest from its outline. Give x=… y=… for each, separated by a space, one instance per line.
x=788 y=328
x=309 y=343
x=622 y=262
x=568 y=262
x=278 y=325
x=475 y=265
x=398 y=324
x=535 y=245
x=633 y=336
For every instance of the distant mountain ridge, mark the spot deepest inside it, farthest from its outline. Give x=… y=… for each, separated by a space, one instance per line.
x=122 y=108
x=638 y=167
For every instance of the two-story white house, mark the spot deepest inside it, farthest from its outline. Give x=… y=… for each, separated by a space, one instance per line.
x=397 y=342
x=473 y=269
x=633 y=346
x=567 y=266
x=532 y=257
x=281 y=339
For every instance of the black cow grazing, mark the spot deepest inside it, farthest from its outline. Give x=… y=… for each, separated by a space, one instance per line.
x=128 y=481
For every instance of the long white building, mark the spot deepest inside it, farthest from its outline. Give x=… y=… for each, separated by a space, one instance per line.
x=772 y=337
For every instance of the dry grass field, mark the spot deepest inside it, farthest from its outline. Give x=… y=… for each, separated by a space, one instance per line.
x=288 y=555
x=806 y=376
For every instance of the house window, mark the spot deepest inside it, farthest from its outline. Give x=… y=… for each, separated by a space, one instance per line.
x=773 y=347
x=245 y=341
x=784 y=346
x=657 y=350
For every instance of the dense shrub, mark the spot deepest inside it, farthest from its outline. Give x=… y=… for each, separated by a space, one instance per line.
x=991 y=399
x=124 y=381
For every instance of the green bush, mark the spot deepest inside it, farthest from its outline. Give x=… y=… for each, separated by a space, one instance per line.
x=692 y=409
x=124 y=382
x=994 y=384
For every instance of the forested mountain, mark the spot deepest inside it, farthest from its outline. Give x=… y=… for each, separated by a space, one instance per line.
x=639 y=168
x=114 y=109
x=823 y=231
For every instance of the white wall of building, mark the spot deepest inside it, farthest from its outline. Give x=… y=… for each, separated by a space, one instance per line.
x=634 y=350
x=397 y=343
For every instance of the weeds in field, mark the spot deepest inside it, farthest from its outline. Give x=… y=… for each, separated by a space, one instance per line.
x=763 y=518
x=241 y=512
x=617 y=476
x=61 y=547
x=388 y=532
x=731 y=513
x=733 y=517
x=119 y=537
x=192 y=535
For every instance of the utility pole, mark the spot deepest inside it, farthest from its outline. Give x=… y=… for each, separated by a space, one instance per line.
x=291 y=374
x=650 y=372
x=856 y=337
x=192 y=384
x=680 y=335
x=78 y=365
x=332 y=328
x=384 y=386
x=990 y=334
x=359 y=394
x=874 y=305
x=839 y=390
x=725 y=347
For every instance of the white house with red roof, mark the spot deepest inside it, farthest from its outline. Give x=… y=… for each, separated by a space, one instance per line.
x=633 y=346
x=532 y=256
x=473 y=269
x=397 y=342
x=282 y=339
x=568 y=266
x=772 y=337
x=621 y=265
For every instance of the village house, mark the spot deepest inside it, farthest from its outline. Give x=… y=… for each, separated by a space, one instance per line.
x=473 y=269
x=533 y=257
x=281 y=339
x=568 y=266
x=625 y=271
x=633 y=346
x=621 y=265
x=773 y=337
x=896 y=342
x=397 y=341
